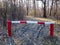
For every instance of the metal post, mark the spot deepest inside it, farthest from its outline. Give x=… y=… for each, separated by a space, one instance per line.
x=51 y=30
x=9 y=29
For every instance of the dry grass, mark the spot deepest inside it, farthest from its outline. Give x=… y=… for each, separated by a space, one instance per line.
x=45 y=19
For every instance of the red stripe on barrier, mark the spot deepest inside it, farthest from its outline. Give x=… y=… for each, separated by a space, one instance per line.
x=23 y=22
x=51 y=30
x=9 y=29
x=41 y=23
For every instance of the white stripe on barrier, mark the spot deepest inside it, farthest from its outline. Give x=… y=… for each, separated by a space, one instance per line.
x=35 y=22
x=49 y=22
x=32 y=22
x=15 y=21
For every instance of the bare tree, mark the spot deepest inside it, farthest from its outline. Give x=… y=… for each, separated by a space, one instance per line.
x=48 y=7
x=34 y=6
x=56 y=7
x=27 y=6
x=14 y=10
x=44 y=9
x=44 y=3
x=5 y=13
x=21 y=10
x=51 y=7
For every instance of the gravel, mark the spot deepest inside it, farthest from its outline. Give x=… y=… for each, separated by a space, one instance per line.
x=30 y=34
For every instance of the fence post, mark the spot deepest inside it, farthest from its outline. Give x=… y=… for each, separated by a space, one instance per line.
x=51 y=30
x=9 y=28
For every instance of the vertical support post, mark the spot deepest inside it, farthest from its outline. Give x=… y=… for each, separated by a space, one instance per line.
x=9 y=29
x=51 y=30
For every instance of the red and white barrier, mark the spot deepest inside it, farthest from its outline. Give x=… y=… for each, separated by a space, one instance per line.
x=30 y=22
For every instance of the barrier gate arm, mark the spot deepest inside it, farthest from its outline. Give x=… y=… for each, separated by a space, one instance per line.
x=31 y=22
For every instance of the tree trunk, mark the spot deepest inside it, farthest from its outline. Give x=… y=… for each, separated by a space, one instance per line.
x=27 y=10
x=51 y=7
x=5 y=16
x=56 y=8
x=44 y=9
x=14 y=11
x=34 y=8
